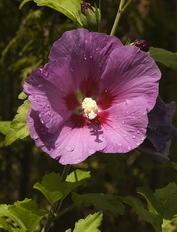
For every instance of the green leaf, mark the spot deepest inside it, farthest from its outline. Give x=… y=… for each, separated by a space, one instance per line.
x=4 y=127
x=100 y=201
x=70 y=8
x=54 y=189
x=4 y=211
x=89 y=224
x=28 y=213
x=78 y=175
x=23 y=214
x=22 y=96
x=154 y=204
x=167 y=58
x=168 y=196
x=174 y=165
x=51 y=187
x=18 y=127
x=154 y=219
x=5 y=225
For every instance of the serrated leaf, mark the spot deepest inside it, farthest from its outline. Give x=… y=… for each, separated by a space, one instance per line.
x=5 y=225
x=22 y=96
x=4 y=211
x=69 y=230
x=19 y=230
x=167 y=58
x=4 y=127
x=154 y=219
x=18 y=127
x=54 y=189
x=70 y=8
x=23 y=214
x=89 y=224
x=100 y=201
x=78 y=175
x=51 y=187
x=28 y=213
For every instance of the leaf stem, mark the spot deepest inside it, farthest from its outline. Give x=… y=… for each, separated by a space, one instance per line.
x=55 y=206
x=122 y=6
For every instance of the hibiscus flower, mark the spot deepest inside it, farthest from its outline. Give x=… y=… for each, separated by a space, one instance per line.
x=159 y=131
x=93 y=95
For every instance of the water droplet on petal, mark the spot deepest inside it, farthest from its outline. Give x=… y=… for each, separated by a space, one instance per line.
x=91 y=151
x=123 y=122
x=138 y=132
x=129 y=148
x=120 y=144
x=68 y=148
x=35 y=137
x=44 y=72
x=91 y=56
x=133 y=136
x=30 y=120
x=78 y=160
x=62 y=159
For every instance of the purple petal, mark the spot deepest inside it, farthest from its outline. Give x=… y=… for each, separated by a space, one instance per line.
x=73 y=144
x=159 y=131
x=89 y=52
x=125 y=128
x=130 y=73
x=48 y=90
x=125 y=80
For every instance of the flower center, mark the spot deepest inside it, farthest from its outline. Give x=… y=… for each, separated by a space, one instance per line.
x=90 y=107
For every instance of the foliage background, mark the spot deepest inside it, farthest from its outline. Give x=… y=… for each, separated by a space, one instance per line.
x=26 y=37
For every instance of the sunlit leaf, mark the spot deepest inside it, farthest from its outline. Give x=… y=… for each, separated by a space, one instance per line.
x=70 y=8
x=78 y=175
x=22 y=96
x=4 y=211
x=54 y=189
x=18 y=127
x=51 y=187
x=167 y=58
x=100 y=201
x=27 y=211
x=4 y=127
x=5 y=225
x=24 y=216
x=89 y=224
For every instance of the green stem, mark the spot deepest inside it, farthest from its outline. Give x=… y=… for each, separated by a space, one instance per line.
x=121 y=9
x=66 y=210
x=55 y=206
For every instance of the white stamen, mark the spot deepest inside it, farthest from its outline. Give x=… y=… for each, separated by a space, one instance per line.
x=90 y=107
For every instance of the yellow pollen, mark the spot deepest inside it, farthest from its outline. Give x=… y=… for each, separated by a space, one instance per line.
x=90 y=107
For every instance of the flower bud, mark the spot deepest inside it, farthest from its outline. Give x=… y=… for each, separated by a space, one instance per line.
x=142 y=45
x=90 y=17
x=84 y=7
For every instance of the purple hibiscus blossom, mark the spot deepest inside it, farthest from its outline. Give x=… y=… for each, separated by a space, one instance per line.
x=93 y=95
x=159 y=131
